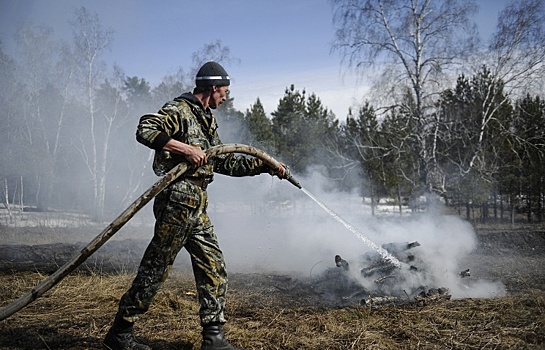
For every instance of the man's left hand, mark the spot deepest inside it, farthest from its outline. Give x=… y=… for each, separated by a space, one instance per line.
x=280 y=171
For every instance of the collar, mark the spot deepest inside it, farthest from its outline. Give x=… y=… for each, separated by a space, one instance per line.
x=206 y=117
x=189 y=97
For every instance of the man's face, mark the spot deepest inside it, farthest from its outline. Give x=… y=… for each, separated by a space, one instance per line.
x=219 y=95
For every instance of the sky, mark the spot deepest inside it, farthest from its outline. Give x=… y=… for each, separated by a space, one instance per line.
x=276 y=43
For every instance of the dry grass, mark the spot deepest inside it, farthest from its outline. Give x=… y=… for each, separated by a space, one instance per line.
x=76 y=315
x=272 y=312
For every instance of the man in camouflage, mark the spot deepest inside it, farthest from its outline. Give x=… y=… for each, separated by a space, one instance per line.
x=180 y=132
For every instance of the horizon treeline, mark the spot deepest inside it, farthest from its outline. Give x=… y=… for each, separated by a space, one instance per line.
x=472 y=137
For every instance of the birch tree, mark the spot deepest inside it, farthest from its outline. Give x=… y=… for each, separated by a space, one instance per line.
x=47 y=75
x=470 y=152
x=515 y=59
x=90 y=41
x=11 y=131
x=511 y=65
x=414 y=45
x=516 y=50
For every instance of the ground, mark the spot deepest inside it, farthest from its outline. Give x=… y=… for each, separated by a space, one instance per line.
x=271 y=311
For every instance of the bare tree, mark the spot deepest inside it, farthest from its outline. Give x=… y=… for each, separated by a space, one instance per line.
x=13 y=130
x=171 y=85
x=37 y=49
x=47 y=75
x=517 y=48
x=415 y=45
x=515 y=61
x=214 y=51
x=90 y=41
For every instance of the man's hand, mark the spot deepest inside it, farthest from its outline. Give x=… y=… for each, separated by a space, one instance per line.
x=193 y=154
x=196 y=156
x=280 y=171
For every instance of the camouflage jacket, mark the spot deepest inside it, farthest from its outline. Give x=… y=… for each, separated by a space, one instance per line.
x=185 y=119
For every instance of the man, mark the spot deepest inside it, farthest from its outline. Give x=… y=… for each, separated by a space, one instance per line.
x=181 y=132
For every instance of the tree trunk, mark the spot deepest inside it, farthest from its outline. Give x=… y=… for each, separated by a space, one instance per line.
x=495 y=205
x=484 y=211
x=21 y=196
x=539 y=209
x=502 y=209
x=512 y=202
x=529 y=207
x=6 y=201
x=399 y=200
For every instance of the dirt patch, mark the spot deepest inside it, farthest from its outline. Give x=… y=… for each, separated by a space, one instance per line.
x=514 y=256
x=115 y=256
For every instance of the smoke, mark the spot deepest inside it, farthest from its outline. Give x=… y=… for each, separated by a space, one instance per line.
x=266 y=225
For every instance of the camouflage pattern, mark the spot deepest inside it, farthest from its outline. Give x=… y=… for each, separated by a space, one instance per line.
x=182 y=221
x=186 y=121
x=181 y=212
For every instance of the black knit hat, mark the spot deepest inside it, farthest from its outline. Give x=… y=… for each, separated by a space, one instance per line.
x=212 y=74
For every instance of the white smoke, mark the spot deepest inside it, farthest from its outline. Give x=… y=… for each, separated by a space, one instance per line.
x=266 y=225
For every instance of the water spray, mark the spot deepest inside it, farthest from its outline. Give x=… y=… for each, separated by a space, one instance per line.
x=383 y=252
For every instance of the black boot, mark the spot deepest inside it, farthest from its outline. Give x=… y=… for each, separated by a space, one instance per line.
x=213 y=338
x=121 y=337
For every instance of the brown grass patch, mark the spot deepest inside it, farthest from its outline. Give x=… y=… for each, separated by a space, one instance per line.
x=76 y=315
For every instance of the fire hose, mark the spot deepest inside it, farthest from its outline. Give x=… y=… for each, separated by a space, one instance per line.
x=126 y=215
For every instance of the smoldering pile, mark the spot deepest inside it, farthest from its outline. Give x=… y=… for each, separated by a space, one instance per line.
x=377 y=282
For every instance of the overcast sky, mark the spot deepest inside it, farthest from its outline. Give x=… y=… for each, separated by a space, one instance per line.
x=277 y=43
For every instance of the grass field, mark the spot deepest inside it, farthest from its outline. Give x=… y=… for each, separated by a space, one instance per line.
x=268 y=311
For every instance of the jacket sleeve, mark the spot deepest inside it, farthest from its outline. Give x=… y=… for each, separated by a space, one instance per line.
x=239 y=165
x=156 y=129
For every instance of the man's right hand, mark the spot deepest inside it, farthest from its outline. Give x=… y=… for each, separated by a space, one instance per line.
x=193 y=154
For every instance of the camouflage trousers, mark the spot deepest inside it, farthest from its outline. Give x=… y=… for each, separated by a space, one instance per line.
x=181 y=222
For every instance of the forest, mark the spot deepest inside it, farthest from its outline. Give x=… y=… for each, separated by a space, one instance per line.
x=450 y=117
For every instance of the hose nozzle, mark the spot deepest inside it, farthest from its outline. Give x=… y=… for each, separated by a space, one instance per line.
x=288 y=176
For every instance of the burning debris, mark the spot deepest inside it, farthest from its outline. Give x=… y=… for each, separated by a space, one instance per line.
x=380 y=266
x=340 y=262
x=430 y=296
x=465 y=273
x=381 y=282
x=376 y=301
